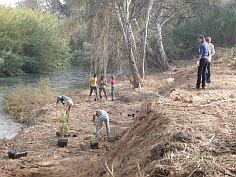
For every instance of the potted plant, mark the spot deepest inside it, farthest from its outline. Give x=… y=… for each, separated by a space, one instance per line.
x=63 y=128
x=94 y=142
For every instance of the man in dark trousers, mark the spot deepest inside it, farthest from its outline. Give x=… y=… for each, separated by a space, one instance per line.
x=202 y=62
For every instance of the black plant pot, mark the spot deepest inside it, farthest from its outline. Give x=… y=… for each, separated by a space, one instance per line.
x=94 y=145
x=58 y=134
x=62 y=143
x=74 y=135
x=16 y=155
x=131 y=115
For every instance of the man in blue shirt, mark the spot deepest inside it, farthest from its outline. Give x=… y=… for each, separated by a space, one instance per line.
x=67 y=102
x=202 y=62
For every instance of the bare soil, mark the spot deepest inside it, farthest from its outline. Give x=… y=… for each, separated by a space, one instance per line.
x=177 y=130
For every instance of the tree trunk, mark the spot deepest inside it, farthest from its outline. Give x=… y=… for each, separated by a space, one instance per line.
x=144 y=40
x=163 y=58
x=127 y=35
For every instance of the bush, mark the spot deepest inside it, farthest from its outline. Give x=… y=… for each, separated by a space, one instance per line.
x=24 y=102
x=31 y=42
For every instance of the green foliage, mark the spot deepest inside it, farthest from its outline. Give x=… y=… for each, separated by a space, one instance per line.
x=31 y=41
x=24 y=102
x=218 y=23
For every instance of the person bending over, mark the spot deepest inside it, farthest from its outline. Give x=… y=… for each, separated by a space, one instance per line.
x=67 y=102
x=102 y=117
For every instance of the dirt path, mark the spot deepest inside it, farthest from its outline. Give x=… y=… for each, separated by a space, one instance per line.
x=169 y=124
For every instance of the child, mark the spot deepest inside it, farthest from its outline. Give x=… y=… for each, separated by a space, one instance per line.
x=102 y=87
x=113 y=82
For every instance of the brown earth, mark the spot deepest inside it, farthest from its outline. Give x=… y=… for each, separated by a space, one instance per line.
x=177 y=130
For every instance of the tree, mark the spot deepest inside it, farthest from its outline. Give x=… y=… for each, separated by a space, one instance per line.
x=129 y=42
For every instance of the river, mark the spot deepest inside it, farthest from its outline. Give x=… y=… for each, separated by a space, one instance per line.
x=68 y=79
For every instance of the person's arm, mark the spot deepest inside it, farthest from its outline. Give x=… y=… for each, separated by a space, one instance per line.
x=213 y=50
x=200 y=52
x=89 y=83
x=96 y=82
x=58 y=99
x=105 y=82
x=94 y=116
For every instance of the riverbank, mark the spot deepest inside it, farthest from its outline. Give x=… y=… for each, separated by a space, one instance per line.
x=170 y=123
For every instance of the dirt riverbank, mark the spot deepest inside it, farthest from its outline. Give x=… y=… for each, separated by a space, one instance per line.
x=177 y=130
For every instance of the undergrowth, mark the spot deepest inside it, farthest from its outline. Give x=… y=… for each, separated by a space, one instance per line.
x=24 y=102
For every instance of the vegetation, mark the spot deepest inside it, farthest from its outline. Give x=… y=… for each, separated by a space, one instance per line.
x=98 y=34
x=218 y=23
x=24 y=102
x=31 y=42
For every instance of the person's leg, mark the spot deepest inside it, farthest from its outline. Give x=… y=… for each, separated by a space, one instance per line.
x=105 y=92
x=91 y=91
x=204 y=62
x=99 y=123
x=199 y=73
x=69 y=104
x=96 y=91
x=112 y=93
x=106 y=120
x=208 y=79
x=100 y=92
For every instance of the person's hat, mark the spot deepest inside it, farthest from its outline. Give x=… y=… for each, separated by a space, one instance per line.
x=201 y=37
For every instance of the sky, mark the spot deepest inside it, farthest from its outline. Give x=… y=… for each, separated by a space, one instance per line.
x=9 y=2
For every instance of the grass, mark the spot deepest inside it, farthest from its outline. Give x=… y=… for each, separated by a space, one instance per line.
x=23 y=102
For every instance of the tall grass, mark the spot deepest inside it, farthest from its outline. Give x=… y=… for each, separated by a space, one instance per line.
x=24 y=102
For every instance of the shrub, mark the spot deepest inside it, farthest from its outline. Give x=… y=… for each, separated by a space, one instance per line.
x=24 y=102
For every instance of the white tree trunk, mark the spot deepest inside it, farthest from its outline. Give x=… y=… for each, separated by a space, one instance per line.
x=144 y=40
x=133 y=64
x=163 y=58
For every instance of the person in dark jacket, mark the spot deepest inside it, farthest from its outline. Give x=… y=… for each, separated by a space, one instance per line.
x=202 y=62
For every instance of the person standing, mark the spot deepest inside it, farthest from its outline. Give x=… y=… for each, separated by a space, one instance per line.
x=202 y=62
x=102 y=86
x=102 y=117
x=67 y=102
x=113 y=83
x=211 y=53
x=93 y=85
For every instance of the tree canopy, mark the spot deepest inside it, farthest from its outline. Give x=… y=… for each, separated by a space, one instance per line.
x=31 y=41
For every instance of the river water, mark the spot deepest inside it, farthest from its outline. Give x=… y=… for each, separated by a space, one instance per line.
x=68 y=79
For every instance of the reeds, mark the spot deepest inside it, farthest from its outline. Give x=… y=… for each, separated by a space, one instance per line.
x=24 y=102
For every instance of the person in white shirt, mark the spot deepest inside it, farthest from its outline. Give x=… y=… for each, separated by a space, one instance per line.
x=211 y=53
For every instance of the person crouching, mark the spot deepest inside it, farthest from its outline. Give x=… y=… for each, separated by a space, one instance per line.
x=67 y=102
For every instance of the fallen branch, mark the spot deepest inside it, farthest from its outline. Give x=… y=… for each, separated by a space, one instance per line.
x=222 y=101
x=138 y=169
x=207 y=158
x=108 y=167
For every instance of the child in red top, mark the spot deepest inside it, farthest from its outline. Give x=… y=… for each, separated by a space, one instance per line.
x=113 y=83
